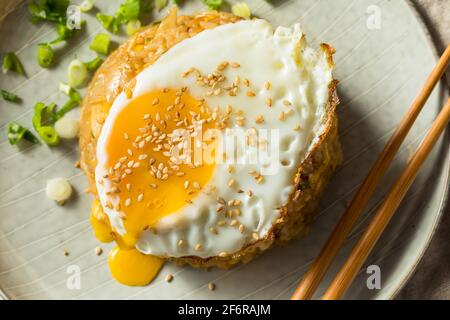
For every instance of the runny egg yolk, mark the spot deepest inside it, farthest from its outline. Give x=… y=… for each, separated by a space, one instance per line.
x=147 y=184
x=132 y=268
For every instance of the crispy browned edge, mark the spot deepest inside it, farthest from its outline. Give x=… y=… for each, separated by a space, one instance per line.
x=310 y=181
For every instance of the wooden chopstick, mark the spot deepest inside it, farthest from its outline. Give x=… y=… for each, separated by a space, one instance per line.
x=320 y=266
x=384 y=214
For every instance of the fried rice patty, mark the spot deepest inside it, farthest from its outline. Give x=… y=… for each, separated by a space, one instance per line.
x=117 y=74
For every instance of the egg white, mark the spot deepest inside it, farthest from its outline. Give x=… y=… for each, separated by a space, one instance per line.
x=296 y=73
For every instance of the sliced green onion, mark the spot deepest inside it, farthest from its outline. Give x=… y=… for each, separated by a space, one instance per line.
x=160 y=4
x=15 y=133
x=49 y=10
x=100 y=44
x=86 y=5
x=241 y=9
x=133 y=26
x=129 y=10
x=64 y=33
x=49 y=135
x=67 y=127
x=43 y=118
x=64 y=87
x=59 y=190
x=94 y=64
x=43 y=115
x=45 y=55
x=74 y=101
x=12 y=63
x=105 y=20
x=213 y=4
x=76 y=73
x=8 y=96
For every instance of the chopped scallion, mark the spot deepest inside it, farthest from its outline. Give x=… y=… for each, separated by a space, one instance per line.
x=133 y=26
x=105 y=20
x=76 y=73
x=100 y=44
x=213 y=4
x=8 y=96
x=86 y=5
x=129 y=10
x=64 y=33
x=94 y=64
x=241 y=9
x=44 y=116
x=45 y=55
x=160 y=4
x=15 y=133
x=12 y=63
x=49 y=135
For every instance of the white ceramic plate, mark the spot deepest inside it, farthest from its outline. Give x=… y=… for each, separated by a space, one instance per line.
x=380 y=71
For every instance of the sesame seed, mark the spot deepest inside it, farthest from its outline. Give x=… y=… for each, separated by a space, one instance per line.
x=186 y=184
x=269 y=102
x=233 y=222
x=140 y=197
x=267 y=85
x=282 y=116
x=128 y=186
x=196 y=185
x=114 y=189
x=180 y=242
x=213 y=230
x=287 y=103
x=155 y=101
x=230 y=168
x=198 y=247
x=231 y=183
x=223 y=254
x=98 y=251
x=250 y=193
x=241 y=228
x=125 y=136
x=255 y=236
x=235 y=65
x=246 y=82
x=211 y=286
x=127 y=202
x=259 y=119
x=146 y=116
x=153 y=185
x=251 y=94
x=66 y=253
x=219 y=208
x=169 y=278
x=297 y=128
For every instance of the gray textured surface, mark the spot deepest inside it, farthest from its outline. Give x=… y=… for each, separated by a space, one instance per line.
x=432 y=277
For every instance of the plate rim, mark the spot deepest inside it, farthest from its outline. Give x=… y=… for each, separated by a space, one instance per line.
x=444 y=202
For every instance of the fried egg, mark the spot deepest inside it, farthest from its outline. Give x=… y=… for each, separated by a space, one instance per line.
x=196 y=158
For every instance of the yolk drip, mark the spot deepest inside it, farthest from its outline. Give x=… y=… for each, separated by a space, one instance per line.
x=100 y=223
x=132 y=268
x=149 y=187
x=146 y=183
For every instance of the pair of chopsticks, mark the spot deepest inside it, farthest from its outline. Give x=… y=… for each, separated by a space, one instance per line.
x=361 y=251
